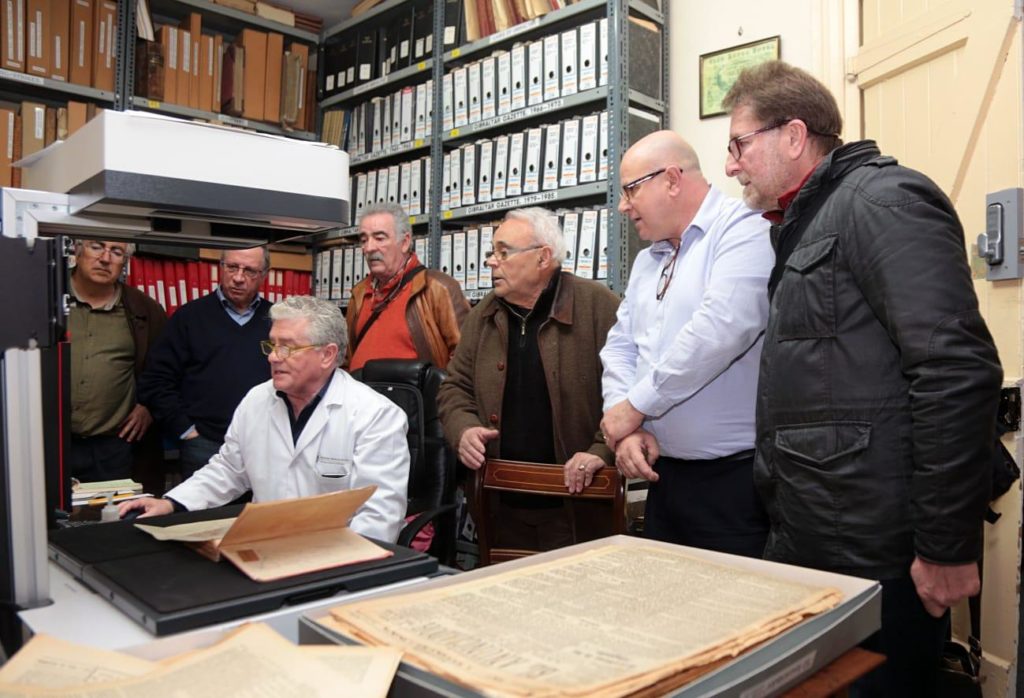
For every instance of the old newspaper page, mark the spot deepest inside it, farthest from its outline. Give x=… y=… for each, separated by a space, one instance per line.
x=603 y=622
x=366 y=672
x=252 y=662
x=50 y=662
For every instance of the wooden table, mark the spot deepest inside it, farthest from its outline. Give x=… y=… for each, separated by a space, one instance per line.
x=835 y=679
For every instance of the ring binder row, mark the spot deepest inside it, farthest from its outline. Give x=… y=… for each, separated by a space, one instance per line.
x=565 y=154
x=530 y=73
x=369 y=52
x=381 y=123
x=172 y=283
x=464 y=255
x=406 y=184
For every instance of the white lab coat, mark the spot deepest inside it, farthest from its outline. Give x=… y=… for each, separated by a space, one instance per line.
x=354 y=438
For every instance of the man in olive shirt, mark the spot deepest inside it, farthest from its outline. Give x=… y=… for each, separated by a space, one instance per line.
x=111 y=327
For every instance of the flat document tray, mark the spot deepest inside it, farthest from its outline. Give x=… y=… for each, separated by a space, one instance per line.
x=764 y=670
x=169 y=588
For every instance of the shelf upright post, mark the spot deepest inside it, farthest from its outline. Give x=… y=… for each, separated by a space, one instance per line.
x=618 y=141
x=436 y=139
x=124 y=63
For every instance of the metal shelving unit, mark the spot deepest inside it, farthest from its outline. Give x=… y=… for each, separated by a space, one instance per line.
x=178 y=110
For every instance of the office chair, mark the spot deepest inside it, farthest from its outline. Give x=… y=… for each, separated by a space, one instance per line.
x=608 y=487
x=413 y=386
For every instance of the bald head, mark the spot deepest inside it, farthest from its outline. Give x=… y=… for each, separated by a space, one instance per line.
x=663 y=149
x=662 y=186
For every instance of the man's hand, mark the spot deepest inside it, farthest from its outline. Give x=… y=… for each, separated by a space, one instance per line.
x=151 y=506
x=941 y=586
x=620 y=421
x=136 y=424
x=473 y=446
x=579 y=471
x=636 y=454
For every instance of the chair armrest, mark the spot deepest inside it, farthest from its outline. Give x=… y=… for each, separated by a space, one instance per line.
x=419 y=521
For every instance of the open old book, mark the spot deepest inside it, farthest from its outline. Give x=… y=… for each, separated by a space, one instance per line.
x=274 y=540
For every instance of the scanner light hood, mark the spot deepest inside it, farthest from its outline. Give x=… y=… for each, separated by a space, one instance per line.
x=142 y=164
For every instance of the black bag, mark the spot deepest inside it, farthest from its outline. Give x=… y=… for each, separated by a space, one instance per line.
x=958 y=672
x=1004 y=472
x=959 y=669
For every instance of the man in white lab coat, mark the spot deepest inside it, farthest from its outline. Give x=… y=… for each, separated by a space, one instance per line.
x=310 y=430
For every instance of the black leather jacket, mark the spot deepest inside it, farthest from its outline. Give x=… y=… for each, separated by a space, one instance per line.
x=879 y=380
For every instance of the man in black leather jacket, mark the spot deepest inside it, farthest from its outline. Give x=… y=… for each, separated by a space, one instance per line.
x=879 y=380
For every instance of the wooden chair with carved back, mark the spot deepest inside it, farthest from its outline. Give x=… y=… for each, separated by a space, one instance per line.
x=608 y=488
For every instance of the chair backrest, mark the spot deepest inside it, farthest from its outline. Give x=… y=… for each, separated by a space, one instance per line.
x=607 y=486
x=413 y=386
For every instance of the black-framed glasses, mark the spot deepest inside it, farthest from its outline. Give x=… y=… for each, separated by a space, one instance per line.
x=96 y=249
x=247 y=272
x=502 y=253
x=736 y=144
x=629 y=189
x=283 y=350
x=667 y=272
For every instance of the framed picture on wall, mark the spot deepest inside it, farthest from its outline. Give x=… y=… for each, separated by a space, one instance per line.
x=719 y=70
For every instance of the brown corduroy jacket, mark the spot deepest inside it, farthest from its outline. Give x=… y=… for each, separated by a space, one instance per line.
x=570 y=341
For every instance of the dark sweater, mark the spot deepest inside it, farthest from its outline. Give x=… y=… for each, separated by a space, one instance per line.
x=203 y=366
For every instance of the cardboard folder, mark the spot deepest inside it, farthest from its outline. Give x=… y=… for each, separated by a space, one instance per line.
x=285 y=538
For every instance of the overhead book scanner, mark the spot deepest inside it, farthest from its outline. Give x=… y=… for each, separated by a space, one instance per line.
x=140 y=164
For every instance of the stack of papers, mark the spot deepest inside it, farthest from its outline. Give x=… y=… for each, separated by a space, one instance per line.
x=97 y=493
x=251 y=661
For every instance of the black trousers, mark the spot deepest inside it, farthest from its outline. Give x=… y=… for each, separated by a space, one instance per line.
x=710 y=504
x=99 y=458
x=911 y=641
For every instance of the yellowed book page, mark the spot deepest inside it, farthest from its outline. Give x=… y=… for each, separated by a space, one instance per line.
x=286 y=517
x=196 y=532
x=606 y=621
x=278 y=558
x=254 y=662
x=53 y=663
x=366 y=671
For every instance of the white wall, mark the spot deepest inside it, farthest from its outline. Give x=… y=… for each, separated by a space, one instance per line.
x=702 y=26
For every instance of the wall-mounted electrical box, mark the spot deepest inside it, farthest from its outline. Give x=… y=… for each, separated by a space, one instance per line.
x=1000 y=244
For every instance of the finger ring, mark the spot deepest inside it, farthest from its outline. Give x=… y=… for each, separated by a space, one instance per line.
x=581 y=467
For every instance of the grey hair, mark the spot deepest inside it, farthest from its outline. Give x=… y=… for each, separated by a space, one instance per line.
x=129 y=247
x=326 y=324
x=266 y=255
x=397 y=213
x=545 y=227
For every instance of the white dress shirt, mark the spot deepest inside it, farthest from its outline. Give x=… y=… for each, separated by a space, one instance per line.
x=354 y=438
x=690 y=361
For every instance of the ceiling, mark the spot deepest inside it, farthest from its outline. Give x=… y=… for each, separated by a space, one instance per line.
x=333 y=11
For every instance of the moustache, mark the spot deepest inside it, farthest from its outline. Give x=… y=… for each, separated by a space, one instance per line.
x=375 y=257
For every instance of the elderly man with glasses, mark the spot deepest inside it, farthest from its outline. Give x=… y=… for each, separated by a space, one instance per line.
x=111 y=327
x=311 y=429
x=209 y=358
x=879 y=382
x=680 y=364
x=525 y=381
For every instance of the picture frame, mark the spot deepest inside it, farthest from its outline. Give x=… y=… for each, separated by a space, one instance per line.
x=719 y=70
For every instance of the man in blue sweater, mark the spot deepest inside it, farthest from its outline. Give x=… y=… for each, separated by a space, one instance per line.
x=209 y=357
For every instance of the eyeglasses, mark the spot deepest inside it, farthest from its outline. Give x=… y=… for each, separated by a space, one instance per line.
x=736 y=144
x=667 y=272
x=96 y=249
x=248 y=272
x=629 y=190
x=503 y=253
x=283 y=350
